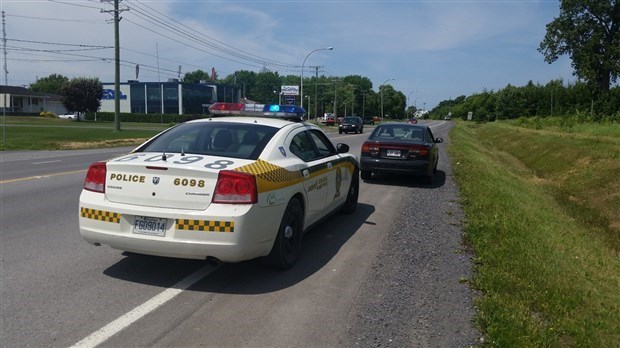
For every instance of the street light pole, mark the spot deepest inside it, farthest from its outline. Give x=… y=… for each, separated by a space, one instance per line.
x=302 y=70
x=415 y=105
x=381 y=89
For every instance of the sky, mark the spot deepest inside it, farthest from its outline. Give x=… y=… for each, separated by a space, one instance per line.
x=429 y=50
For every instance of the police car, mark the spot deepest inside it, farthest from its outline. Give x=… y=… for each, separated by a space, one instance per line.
x=233 y=188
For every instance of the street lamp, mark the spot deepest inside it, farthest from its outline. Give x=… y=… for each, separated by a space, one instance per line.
x=302 y=71
x=381 y=89
x=409 y=96
x=415 y=105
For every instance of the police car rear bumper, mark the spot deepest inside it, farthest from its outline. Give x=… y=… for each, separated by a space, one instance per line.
x=246 y=234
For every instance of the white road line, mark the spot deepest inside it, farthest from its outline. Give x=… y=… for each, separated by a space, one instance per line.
x=135 y=314
x=44 y=162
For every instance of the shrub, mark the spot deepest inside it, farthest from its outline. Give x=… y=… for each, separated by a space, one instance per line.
x=48 y=114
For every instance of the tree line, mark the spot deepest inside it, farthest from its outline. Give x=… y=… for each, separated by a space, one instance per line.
x=343 y=96
x=552 y=99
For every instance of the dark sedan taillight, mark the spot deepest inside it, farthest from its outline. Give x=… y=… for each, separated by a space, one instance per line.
x=370 y=149
x=418 y=151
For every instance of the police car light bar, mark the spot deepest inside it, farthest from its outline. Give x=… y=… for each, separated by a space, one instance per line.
x=287 y=112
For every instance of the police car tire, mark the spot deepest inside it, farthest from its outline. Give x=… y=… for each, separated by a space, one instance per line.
x=286 y=250
x=351 y=203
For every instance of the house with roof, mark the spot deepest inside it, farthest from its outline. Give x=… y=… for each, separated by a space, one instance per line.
x=23 y=101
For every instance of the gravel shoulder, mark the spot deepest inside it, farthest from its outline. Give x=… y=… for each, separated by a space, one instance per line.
x=415 y=294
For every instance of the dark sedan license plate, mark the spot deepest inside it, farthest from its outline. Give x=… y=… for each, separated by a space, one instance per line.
x=393 y=153
x=149 y=226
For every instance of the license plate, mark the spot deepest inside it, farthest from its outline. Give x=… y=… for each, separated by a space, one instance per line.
x=393 y=153
x=149 y=226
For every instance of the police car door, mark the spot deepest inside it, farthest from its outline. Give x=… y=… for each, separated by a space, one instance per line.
x=314 y=172
x=332 y=176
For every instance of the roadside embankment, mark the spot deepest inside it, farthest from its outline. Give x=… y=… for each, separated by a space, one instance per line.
x=543 y=218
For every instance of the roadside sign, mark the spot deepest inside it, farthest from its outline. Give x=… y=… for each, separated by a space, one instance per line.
x=289 y=99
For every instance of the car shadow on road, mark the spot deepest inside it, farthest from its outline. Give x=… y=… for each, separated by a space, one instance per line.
x=390 y=179
x=320 y=245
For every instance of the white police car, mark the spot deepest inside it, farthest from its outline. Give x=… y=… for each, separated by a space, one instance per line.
x=231 y=188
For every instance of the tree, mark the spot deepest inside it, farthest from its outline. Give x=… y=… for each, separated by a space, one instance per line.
x=246 y=80
x=267 y=87
x=589 y=32
x=82 y=95
x=196 y=76
x=50 y=84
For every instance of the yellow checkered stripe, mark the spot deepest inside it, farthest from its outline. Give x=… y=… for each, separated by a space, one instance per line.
x=100 y=215
x=270 y=177
x=205 y=225
x=269 y=172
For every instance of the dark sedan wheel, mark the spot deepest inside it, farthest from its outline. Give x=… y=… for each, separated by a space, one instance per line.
x=366 y=174
x=287 y=246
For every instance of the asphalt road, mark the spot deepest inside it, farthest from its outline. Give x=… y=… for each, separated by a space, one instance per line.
x=391 y=274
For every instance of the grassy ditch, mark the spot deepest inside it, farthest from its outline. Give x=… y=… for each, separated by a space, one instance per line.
x=543 y=217
x=38 y=133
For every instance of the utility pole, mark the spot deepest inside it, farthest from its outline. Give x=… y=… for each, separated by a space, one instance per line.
x=6 y=80
x=117 y=65
x=316 y=92
x=364 y=105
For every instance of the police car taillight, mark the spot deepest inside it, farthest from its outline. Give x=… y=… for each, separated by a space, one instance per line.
x=235 y=188
x=95 y=177
x=287 y=112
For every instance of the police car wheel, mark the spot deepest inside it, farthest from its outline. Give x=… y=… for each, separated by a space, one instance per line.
x=351 y=203
x=287 y=246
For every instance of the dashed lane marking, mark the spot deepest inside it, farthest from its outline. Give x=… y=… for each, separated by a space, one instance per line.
x=40 y=176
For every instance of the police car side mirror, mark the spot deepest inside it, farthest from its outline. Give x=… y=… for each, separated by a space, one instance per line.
x=342 y=148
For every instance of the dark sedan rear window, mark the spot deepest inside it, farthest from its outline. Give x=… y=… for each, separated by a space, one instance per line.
x=398 y=132
x=224 y=139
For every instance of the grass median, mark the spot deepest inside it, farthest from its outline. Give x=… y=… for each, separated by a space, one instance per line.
x=38 y=133
x=543 y=218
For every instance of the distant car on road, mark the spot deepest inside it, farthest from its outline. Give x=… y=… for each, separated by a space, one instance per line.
x=400 y=148
x=352 y=124
x=329 y=120
x=412 y=120
x=369 y=120
x=68 y=116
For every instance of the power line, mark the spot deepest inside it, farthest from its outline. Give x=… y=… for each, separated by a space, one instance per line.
x=59 y=44
x=72 y=20
x=209 y=41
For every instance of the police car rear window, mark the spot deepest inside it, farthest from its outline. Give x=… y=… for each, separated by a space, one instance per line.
x=224 y=139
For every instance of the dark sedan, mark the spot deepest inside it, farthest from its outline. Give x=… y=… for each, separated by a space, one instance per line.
x=400 y=148
x=351 y=124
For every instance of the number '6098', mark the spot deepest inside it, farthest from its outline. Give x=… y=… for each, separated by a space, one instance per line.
x=189 y=182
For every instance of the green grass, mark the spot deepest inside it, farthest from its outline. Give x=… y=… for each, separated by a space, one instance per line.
x=39 y=133
x=542 y=217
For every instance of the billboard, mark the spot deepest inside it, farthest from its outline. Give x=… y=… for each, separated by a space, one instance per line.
x=289 y=90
